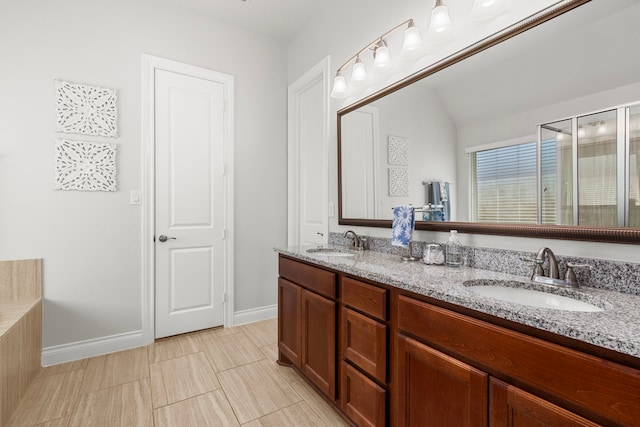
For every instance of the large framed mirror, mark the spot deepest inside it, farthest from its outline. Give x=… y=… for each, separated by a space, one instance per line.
x=430 y=139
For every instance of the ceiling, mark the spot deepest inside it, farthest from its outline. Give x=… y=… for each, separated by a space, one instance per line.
x=588 y=50
x=279 y=20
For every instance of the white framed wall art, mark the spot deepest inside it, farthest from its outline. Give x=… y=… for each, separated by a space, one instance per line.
x=86 y=110
x=85 y=166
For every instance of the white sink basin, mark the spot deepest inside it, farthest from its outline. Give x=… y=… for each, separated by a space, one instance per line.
x=329 y=252
x=533 y=298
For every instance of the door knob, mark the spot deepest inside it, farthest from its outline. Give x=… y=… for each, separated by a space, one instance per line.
x=164 y=238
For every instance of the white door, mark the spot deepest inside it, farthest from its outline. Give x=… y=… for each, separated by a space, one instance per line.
x=359 y=150
x=308 y=192
x=189 y=196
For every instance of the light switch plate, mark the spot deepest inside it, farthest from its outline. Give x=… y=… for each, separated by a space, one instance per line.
x=135 y=198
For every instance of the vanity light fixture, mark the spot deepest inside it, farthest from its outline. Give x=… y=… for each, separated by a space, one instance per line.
x=339 y=86
x=487 y=9
x=581 y=132
x=382 y=59
x=440 y=25
x=358 y=73
x=411 y=44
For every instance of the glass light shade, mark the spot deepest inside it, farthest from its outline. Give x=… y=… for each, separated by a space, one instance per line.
x=581 y=132
x=412 y=42
x=440 y=26
x=602 y=128
x=339 y=87
x=358 y=73
x=487 y=9
x=382 y=58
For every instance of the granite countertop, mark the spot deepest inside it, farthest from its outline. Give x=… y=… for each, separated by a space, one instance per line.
x=616 y=328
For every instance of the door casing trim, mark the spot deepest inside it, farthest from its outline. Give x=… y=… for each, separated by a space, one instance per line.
x=149 y=65
x=321 y=71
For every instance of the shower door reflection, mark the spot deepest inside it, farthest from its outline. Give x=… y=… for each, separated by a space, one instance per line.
x=634 y=167
x=597 y=166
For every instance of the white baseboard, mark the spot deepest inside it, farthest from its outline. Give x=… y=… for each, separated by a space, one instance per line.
x=255 y=314
x=55 y=355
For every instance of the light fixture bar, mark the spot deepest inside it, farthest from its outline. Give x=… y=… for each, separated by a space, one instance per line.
x=340 y=88
x=374 y=43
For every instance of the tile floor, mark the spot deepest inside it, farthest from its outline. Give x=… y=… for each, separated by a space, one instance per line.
x=217 y=377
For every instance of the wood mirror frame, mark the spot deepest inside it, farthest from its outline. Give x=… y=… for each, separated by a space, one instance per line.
x=562 y=232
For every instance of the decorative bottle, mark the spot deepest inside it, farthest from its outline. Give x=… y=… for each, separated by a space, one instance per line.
x=454 y=250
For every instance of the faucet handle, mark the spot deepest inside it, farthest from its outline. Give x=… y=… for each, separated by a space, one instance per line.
x=538 y=270
x=570 y=275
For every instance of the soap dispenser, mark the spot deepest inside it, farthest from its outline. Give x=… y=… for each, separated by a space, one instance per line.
x=453 y=250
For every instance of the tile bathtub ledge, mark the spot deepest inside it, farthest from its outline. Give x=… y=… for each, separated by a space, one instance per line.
x=615 y=328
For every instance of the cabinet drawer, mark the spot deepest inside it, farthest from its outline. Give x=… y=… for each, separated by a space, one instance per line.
x=320 y=281
x=600 y=388
x=364 y=343
x=363 y=400
x=364 y=297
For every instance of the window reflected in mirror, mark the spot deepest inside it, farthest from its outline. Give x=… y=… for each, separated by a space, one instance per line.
x=502 y=183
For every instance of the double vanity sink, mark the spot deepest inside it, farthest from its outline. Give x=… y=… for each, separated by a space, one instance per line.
x=505 y=290
x=376 y=336
x=596 y=316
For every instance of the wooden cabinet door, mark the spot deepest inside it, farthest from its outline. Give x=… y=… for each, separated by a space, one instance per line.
x=512 y=407
x=289 y=330
x=363 y=400
x=318 y=353
x=435 y=390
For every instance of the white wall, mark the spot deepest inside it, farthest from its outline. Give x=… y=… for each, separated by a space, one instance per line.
x=344 y=30
x=91 y=242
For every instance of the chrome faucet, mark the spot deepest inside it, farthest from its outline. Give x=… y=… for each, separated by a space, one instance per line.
x=554 y=273
x=358 y=242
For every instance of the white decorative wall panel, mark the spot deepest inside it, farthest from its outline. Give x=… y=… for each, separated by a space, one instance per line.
x=85 y=166
x=86 y=110
x=398 y=182
x=398 y=151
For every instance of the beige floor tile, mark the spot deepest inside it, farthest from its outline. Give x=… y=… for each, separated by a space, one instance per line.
x=254 y=392
x=262 y=333
x=297 y=415
x=60 y=422
x=63 y=367
x=179 y=379
x=280 y=372
x=48 y=398
x=124 y=405
x=270 y=351
x=116 y=369
x=217 y=332
x=170 y=348
x=229 y=351
x=320 y=407
x=211 y=409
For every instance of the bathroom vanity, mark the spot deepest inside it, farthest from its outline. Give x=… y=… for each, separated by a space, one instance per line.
x=408 y=344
